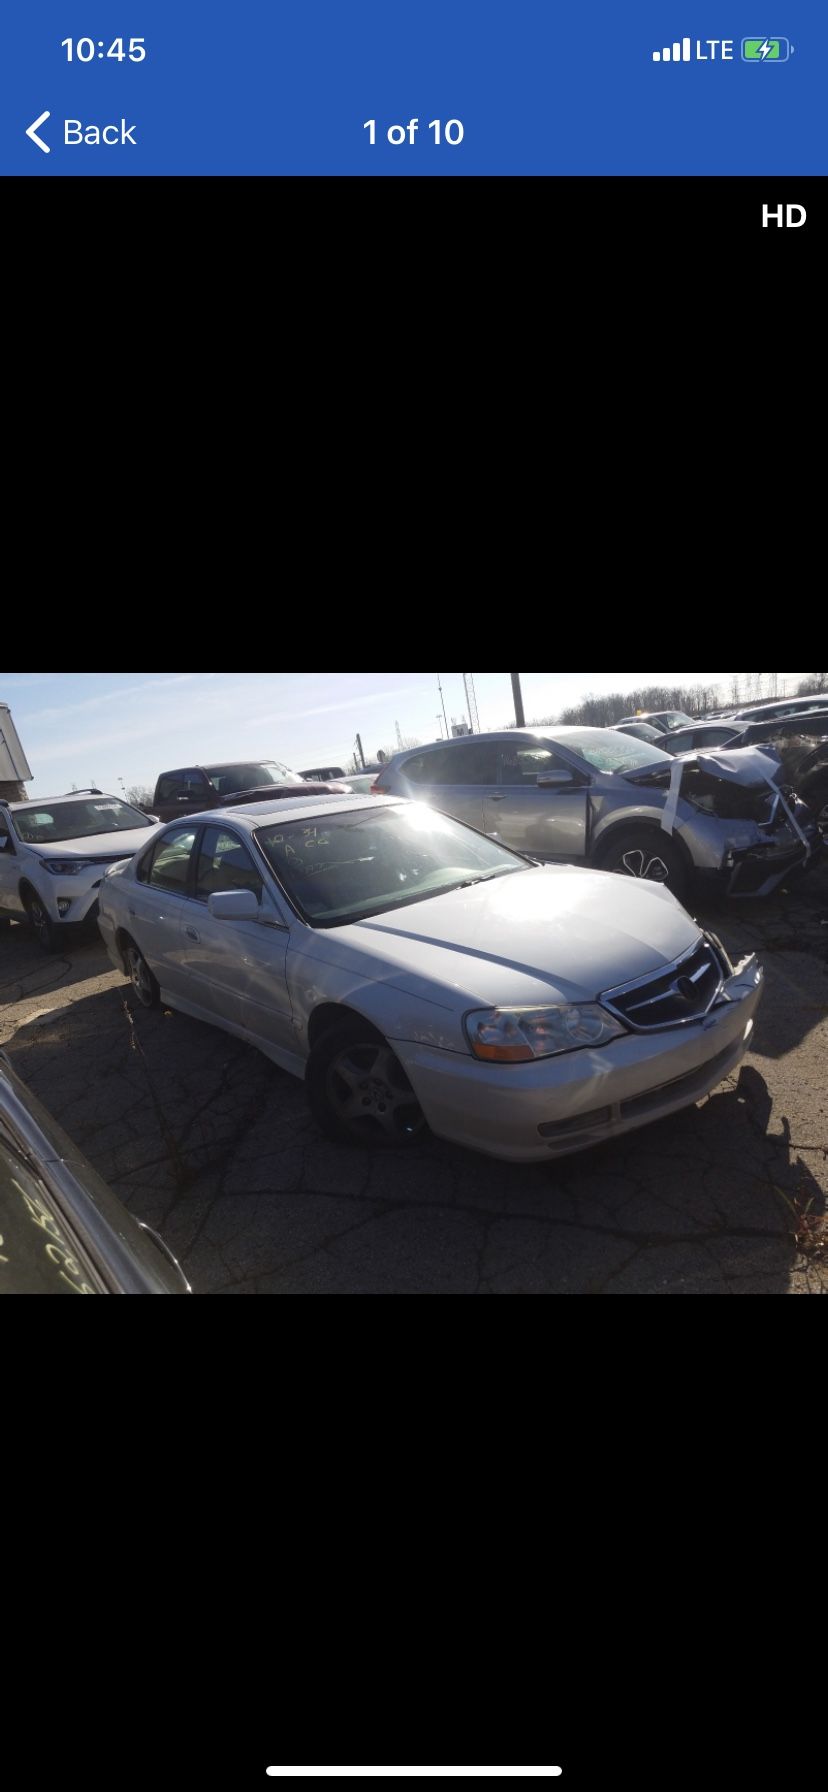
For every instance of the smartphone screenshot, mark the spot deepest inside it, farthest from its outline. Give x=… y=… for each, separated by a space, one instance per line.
x=667 y=90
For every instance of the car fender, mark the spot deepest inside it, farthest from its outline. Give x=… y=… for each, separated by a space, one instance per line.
x=614 y=825
x=395 y=1013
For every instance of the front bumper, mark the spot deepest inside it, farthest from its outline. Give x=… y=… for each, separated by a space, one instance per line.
x=758 y=871
x=72 y=901
x=527 y=1113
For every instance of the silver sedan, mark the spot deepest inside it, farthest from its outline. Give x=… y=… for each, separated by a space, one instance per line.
x=416 y=972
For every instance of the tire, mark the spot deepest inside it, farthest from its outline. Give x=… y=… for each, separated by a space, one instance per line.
x=42 y=925
x=144 y=984
x=645 y=853
x=359 y=1093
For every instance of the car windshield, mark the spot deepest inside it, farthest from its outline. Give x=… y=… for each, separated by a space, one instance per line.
x=228 y=779
x=607 y=751
x=45 y=823
x=347 y=867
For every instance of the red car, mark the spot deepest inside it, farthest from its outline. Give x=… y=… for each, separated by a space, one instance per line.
x=200 y=787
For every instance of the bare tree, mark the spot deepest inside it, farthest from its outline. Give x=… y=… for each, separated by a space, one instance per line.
x=140 y=796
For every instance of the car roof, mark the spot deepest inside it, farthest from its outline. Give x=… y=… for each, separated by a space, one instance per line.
x=800 y=704
x=73 y=796
x=216 y=765
x=291 y=808
x=549 y=731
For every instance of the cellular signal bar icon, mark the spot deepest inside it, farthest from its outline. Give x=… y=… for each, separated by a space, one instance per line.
x=679 y=53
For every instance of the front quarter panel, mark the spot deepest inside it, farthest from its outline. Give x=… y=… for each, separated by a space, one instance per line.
x=321 y=971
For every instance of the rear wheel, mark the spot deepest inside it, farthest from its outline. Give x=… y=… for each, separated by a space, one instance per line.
x=359 y=1093
x=651 y=856
x=141 y=977
x=42 y=925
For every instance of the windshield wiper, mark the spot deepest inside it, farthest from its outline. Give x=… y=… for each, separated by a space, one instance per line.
x=486 y=878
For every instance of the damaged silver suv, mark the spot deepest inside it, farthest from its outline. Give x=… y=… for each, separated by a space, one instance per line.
x=591 y=796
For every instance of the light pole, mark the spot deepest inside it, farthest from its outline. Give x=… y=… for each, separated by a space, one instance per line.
x=443 y=701
x=520 y=716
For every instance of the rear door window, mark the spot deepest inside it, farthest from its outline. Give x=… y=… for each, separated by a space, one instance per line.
x=189 y=786
x=470 y=762
x=523 y=766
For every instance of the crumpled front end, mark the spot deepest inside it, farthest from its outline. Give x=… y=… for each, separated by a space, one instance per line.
x=745 y=829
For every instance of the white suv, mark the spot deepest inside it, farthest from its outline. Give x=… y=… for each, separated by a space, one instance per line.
x=55 y=853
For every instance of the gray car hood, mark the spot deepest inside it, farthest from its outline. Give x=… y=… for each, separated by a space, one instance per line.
x=747 y=766
x=552 y=934
x=94 y=846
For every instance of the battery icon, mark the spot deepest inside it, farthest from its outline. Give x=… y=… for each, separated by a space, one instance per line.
x=765 y=49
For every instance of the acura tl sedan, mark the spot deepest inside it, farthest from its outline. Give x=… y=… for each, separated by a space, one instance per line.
x=594 y=796
x=415 y=972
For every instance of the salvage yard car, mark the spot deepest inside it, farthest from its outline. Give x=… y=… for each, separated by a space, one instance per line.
x=53 y=855
x=62 y=1230
x=416 y=972
x=662 y=719
x=200 y=787
x=595 y=796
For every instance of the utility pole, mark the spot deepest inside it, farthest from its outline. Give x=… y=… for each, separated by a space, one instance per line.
x=471 y=702
x=359 y=750
x=471 y=706
x=520 y=715
x=443 y=701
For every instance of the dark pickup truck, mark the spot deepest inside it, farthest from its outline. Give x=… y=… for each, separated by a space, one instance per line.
x=200 y=787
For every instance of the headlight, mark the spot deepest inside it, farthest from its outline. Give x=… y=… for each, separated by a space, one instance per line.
x=67 y=867
x=514 y=1035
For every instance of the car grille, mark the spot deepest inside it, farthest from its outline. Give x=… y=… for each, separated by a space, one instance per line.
x=685 y=992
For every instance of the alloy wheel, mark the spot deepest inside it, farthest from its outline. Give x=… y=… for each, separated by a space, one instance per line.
x=644 y=864
x=40 y=921
x=370 y=1093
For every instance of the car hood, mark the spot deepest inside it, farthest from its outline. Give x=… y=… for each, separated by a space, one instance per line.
x=748 y=766
x=551 y=934
x=96 y=846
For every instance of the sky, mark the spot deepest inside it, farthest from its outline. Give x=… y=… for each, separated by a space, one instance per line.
x=119 y=729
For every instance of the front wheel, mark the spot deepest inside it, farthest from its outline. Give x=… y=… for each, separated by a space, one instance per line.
x=654 y=857
x=43 y=927
x=359 y=1093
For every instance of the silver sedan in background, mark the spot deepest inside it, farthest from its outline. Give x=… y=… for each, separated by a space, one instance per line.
x=415 y=972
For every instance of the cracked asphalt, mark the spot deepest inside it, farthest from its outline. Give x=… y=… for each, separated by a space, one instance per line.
x=215 y=1147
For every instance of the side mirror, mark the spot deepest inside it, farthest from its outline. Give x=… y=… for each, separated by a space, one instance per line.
x=4 y=842
x=555 y=780
x=233 y=905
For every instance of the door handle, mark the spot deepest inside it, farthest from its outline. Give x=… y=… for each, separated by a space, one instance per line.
x=192 y=935
x=496 y=799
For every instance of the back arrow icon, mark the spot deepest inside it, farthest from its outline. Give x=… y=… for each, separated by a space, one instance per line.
x=33 y=130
